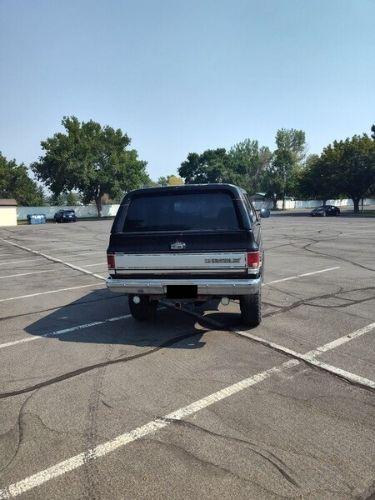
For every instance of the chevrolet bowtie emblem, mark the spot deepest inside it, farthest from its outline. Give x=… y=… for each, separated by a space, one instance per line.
x=178 y=245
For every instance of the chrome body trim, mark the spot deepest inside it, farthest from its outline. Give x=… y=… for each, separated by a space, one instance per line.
x=180 y=261
x=220 y=287
x=202 y=270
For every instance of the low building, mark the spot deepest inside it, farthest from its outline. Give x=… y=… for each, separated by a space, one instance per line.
x=260 y=201
x=8 y=212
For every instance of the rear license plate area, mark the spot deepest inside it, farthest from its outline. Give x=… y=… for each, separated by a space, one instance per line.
x=182 y=291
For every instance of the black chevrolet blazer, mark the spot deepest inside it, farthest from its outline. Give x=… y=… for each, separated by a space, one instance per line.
x=187 y=243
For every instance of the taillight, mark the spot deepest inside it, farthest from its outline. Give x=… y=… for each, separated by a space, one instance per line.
x=111 y=260
x=253 y=260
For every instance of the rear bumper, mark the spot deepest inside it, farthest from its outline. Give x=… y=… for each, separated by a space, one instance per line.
x=220 y=287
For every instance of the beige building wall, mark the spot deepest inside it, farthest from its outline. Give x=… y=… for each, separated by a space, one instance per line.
x=8 y=216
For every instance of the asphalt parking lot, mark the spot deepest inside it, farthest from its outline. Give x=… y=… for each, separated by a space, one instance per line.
x=193 y=405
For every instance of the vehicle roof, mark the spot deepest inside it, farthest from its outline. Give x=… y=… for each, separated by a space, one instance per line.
x=187 y=187
x=324 y=206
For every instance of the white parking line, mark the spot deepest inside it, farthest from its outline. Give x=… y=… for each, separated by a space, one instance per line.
x=349 y=376
x=342 y=340
x=302 y=275
x=153 y=426
x=310 y=356
x=18 y=261
x=86 y=253
x=97 y=264
x=54 y=259
x=27 y=274
x=128 y=437
x=18 y=297
x=56 y=333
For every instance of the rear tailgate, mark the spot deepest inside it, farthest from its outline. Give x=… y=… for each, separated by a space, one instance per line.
x=203 y=253
x=170 y=263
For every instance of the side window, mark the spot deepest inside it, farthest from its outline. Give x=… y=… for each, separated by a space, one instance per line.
x=256 y=214
x=250 y=209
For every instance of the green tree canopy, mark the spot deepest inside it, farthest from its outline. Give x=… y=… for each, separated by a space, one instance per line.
x=249 y=162
x=272 y=184
x=213 y=165
x=317 y=180
x=350 y=167
x=92 y=159
x=72 y=198
x=244 y=164
x=15 y=183
x=287 y=159
x=170 y=180
x=281 y=174
x=64 y=199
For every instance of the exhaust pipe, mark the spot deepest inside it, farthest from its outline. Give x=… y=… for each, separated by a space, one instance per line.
x=178 y=305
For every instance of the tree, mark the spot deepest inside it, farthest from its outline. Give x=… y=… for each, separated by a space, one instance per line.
x=273 y=184
x=373 y=131
x=72 y=199
x=149 y=183
x=287 y=160
x=170 y=180
x=351 y=167
x=248 y=164
x=316 y=180
x=57 y=200
x=213 y=165
x=64 y=199
x=16 y=183
x=244 y=164
x=91 y=159
x=162 y=181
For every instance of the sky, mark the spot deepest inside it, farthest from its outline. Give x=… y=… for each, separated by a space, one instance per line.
x=183 y=76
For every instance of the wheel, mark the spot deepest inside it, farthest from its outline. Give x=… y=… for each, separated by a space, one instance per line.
x=143 y=311
x=251 y=309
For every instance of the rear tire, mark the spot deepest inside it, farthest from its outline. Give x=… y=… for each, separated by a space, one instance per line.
x=251 y=309
x=145 y=310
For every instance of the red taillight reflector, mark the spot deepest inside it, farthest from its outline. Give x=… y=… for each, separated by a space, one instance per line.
x=111 y=261
x=253 y=259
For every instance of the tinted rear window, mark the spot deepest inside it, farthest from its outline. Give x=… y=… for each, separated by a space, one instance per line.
x=181 y=212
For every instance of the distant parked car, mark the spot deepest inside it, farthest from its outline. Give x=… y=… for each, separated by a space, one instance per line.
x=65 y=216
x=325 y=211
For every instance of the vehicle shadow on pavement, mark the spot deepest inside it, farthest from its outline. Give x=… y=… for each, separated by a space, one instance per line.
x=221 y=320
x=98 y=318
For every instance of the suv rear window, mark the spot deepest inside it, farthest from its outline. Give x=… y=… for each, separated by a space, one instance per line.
x=181 y=212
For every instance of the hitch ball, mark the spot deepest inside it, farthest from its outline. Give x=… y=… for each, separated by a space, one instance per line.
x=225 y=301
x=136 y=299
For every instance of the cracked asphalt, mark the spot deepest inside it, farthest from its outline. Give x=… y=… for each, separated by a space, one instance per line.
x=76 y=371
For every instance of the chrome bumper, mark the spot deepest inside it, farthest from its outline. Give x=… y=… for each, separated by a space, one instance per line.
x=221 y=287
